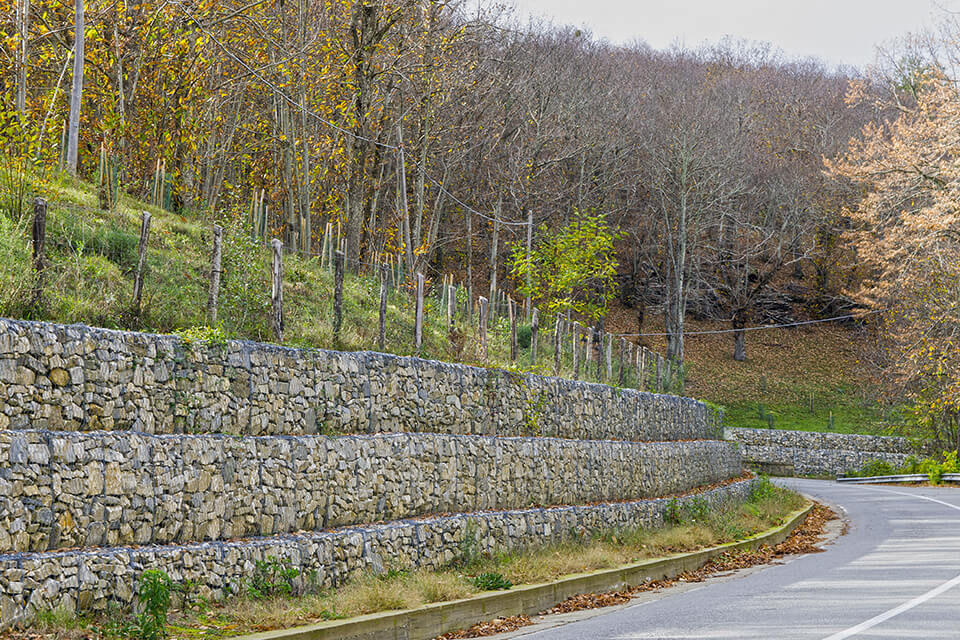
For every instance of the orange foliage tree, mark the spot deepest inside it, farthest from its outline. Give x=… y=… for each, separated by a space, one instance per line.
x=906 y=232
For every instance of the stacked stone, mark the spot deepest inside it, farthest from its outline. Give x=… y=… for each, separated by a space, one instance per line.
x=97 y=580
x=810 y=453
x=123 y=451
x=61 y=377
x=69 y=489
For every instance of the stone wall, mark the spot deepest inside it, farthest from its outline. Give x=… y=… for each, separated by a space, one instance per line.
x=74 y=377
x=93 y=580
x=805 y=453
x=73 y=489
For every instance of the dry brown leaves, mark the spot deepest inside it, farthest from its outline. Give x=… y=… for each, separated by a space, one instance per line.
x=802 y=540
x=500 y=625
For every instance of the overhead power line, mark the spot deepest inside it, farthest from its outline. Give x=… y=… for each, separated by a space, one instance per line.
x=766 y=327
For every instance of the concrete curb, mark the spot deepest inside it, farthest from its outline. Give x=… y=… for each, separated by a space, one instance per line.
x=436 y=619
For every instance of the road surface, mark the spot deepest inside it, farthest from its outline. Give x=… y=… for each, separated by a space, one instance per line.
x=895 y=575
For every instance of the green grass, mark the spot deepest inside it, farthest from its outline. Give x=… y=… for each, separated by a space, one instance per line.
x=92 y=257
x=849 y=415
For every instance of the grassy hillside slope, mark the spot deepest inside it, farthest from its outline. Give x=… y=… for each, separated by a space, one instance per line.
x=793 y=378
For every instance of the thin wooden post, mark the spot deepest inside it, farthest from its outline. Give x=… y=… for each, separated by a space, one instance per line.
x=418 y=330
x=39 y=243
x=451 y=305
x=339 y=261
x=382 y=336
x=599 y=340
x=276 y=290
x=483 y=327
x=514 y=346
x=575 y=334
x=557 y=344
x=534 y=327
x=623 y=364
x=610 y=357
x=141 y=261
x=588 y=352
x=528 y=302
x=215 y=271
x=641 y=374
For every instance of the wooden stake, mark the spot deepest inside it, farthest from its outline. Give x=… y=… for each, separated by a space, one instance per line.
x=276 y=290
x=215 y=262
x=382 y=336
x=600 y=354
x=419 y=326
x=338 y=263
x=483 y=327
x=575 y=333
x=528 y=302
x=39 y=242
x=623 y=364
x=514 y=346
x=609 y=357
x=534 y=327
x=451 y=305
x=557 y=344
x=141 y=262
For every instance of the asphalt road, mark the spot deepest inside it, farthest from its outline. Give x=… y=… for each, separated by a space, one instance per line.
x=896 y=574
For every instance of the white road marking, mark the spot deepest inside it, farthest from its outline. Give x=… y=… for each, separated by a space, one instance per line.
x=906 y=606
x=913 y=495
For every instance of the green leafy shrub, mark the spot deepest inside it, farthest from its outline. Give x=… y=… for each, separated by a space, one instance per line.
x=212 y=336
x=272 y=577
x=491 y=582
x=673 y=514
x=153 y=596
x=696 y=509
x=762 y=489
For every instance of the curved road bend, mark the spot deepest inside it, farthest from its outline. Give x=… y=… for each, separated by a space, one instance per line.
x=895 y=575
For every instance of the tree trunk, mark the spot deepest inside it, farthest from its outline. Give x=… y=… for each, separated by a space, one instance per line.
x=23 y=30
x=73 y=129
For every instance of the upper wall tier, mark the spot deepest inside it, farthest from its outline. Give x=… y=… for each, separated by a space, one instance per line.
x=74 y=377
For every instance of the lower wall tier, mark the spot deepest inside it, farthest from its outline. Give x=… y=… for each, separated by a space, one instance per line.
x=805 y=453
x=95 y=580
x=70 y=489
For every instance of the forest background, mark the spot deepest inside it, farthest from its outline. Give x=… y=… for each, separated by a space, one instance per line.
x=725 y=184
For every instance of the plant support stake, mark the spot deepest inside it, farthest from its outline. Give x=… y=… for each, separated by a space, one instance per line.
x=276 y=290
x=141 y=262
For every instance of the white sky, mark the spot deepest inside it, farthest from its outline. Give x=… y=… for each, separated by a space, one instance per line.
x=836 y=31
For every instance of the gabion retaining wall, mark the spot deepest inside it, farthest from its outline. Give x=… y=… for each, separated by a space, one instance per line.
x=70 y=489
x=62 y=377
x=93 y=580
x=809 y=453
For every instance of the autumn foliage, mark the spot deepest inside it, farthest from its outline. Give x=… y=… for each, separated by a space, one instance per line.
x=906 y=234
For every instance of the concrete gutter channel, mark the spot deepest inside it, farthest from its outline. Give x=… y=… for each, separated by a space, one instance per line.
x=432 y=620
